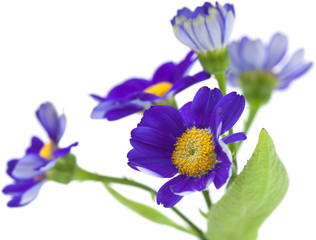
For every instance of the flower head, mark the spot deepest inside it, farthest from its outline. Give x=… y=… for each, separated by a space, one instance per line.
x=186 y=144
x=137 y=94
x=256 y=66
x=207 y=28
x=30 y=171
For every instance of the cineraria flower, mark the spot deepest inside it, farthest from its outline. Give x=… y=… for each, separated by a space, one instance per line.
x=185 y=144
x=207 y=31
x=137 y=94
x=30 y=171
x=260 y=68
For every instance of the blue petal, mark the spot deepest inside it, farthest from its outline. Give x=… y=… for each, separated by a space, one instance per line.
x=253 y=54
x=228 y=110
x=186 y=82
x=155 y=166
x=276 y=50
x=154 y=137
x=36 y=146
x=223 y=168
x=235 y=137
x=166 y=119
x=26 y=167
x=185 y=112
x=191 y=184
x=203 y=105
x=165 y=196
x=164 y=73
x=149 y=150
x=113 y=110
x=48 y=117
x=64 y=151
x=127 y=88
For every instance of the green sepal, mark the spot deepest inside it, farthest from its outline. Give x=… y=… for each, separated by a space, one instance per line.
x=146 y=211
x=216 y=61
x=252 y=197
x=257 y=86
x=64 y=170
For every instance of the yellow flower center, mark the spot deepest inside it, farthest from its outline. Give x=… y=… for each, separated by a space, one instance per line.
x=47 y=150
x=194 y=152
x=159 y=89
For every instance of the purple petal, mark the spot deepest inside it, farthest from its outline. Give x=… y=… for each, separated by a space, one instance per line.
x=185 y=112
x=183 y=67
x=228 y=109
x=64 y=151
x=164 y=73
x=113 y=110
x=36 y=146
x=276 y=50
x=48 y=117
x=154 y=137
x=187 y=82
x=11 y=166
x=191 y=184
x=223 y=168
x=127 y=88
x=26 y=167
x=149 y=150
x=165 y=196
x=166 y=119
x=203 y=104
x=234 y=53
x=253 y=54
x=235 y=137
x=295 y=61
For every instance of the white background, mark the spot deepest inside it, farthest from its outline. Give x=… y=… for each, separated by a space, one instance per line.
x=63 y=50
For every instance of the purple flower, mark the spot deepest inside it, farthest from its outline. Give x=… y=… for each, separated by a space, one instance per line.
x=205 y=29
x=267 y=61
x=185 y=144
x=137 y=94
x=30 y=171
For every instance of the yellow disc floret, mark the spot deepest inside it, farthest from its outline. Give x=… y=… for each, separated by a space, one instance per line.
x=159 y=89
x=47 y=150
x=194 y=152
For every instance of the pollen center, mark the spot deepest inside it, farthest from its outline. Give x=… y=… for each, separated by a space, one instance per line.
x=159 y=89
x=47 y=150
x=194 y=152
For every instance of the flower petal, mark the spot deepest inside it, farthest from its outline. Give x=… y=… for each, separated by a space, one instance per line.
x=166 y=119
x=164 y=73
x=228 y=110
x=36 y=146
x=165 y=196
x=48 y=117
x=26 y=167
x=203 y=104
x=64 y=151
x=276 y=50
x=191 y=184
x=235 y=137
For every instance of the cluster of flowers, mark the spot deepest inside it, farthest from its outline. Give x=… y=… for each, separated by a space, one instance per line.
x=186 y=144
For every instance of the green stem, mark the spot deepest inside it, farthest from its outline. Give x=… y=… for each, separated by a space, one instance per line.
x=253 y=109
x=207 y=198
x=83 y=175
x=221 y=80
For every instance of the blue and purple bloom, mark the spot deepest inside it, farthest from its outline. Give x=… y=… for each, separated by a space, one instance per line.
x=251 y=59
x=185 y=144
x=136 y=94
x=205 y=29
x=30 y=171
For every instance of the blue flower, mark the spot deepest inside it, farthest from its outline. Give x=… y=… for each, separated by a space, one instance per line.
x=137 y=94
x=186 y=144
x=252 y=59
x=205 y=29
x=30 y=171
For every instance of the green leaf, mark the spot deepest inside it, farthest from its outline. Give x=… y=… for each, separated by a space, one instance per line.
x=146 y=211
x=252 y=197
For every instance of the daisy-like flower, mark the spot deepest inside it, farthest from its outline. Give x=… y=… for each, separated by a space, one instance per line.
x=260 y=68
x=186 y=144
x=137 y=94
x=30 y=171
x=207 y=31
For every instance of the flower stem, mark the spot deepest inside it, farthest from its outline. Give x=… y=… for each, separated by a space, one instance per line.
x=207 y=198
x=221 y=80
x=83 y=175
